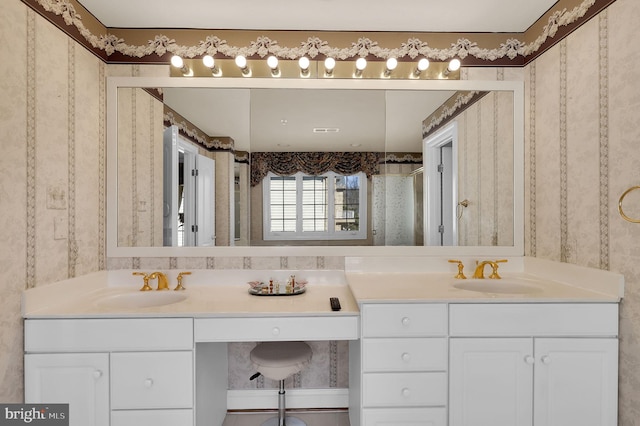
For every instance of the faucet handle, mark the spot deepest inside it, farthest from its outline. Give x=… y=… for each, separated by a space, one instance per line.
x=460 y=274
x=180 y=277
x=145 y=279
x=494 y=266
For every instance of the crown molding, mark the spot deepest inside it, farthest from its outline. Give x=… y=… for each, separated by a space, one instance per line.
x=475 y=49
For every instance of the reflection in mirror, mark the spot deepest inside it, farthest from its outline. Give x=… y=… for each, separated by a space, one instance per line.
x=327 y=167
x=382 y=166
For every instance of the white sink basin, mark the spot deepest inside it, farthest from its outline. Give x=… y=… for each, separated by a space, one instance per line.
x=500 y=286
x=141 y=299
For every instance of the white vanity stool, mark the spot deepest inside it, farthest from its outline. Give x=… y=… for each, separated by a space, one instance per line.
x=277 y=361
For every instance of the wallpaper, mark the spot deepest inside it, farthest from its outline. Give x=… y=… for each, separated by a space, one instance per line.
x=581 y=155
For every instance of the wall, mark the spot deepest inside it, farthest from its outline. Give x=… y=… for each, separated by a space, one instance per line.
x=140 y=165
x=485 y=171
x=51 y=169
x=581 y=154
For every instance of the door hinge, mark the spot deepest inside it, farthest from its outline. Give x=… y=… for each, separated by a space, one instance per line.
x=194 y=172
x=440 y=168
x=194 y=228
x=441 y=229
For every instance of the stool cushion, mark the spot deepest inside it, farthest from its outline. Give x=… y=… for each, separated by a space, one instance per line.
x=279 y=360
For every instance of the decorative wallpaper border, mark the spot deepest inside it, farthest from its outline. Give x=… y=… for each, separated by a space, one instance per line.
x=532 y=161
x=603 y=34
x=511 y=50
x=455 y=105
x=194 y=134
x=31 y=151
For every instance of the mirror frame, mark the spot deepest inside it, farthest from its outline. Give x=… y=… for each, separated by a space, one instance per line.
x=113 y=250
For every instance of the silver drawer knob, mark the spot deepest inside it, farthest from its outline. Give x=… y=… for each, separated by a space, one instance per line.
x=275 y=331
x=406 y=392
x=406 y=321
x=97 y=374
x=546 y=359
x=148 y=383
x=406 y=357
x=529 y=359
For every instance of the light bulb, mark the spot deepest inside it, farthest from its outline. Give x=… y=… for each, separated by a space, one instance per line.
x=454 y=65
x=272 y=61
x=177 y=61
x=329 y=64
x=392 y=63
x=208 y=61
x=241 y=61
x=423 y=64
x=361 y=64
x=303 y=63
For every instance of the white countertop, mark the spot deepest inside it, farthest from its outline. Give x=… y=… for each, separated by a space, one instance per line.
x=83 y=297
x=216 y=293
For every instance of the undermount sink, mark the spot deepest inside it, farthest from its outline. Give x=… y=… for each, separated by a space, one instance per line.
x=501 y=286
x=142 y=299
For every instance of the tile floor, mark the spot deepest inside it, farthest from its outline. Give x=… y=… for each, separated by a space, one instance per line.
x=312 y=418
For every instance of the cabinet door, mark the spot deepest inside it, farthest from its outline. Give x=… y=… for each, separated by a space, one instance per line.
x=491 y=382
x=576 y=382
x=80 y=380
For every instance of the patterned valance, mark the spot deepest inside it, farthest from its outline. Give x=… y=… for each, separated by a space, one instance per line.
x=313 y=163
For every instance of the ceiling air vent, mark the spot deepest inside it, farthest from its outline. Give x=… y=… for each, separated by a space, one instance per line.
x=326 y=130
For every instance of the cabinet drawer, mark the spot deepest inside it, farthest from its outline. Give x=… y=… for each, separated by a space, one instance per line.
x=398 y=320
x=534 y=319
x=93 y=335
x=408 y=354
x=272 y=328
x=404 y=389
x=152 y=418
x=151 y=380
x=404 y=417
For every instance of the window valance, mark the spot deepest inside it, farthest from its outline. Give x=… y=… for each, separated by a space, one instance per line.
x=313 y=163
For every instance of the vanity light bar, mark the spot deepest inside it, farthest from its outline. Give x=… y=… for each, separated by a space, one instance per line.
x=306 y=68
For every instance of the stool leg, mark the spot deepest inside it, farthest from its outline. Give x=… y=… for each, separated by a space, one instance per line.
x=283 y=419
x=281 y=404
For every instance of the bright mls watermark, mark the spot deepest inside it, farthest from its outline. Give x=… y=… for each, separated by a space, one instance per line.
x=34 y=414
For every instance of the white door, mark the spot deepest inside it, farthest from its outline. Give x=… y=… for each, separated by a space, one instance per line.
x=440 y=153
x=576 y=382
x=170 y=186
x=206 y=202
x=80 y=380
x=491 y=382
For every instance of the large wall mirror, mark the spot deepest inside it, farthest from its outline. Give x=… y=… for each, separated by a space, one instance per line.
x=251 y=167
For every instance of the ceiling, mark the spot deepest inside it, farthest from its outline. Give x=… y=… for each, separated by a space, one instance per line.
x=285 y=119
x=327 y=15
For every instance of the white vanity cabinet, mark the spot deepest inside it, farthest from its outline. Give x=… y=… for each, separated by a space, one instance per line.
x=78 y=379
x=116 y=372
x=533 y=364
x=403 y=364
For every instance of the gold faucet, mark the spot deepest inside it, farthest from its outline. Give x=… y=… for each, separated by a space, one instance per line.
x=163 y=282
x=460 y=274
x=145 y=278
x=180 y=277
x=479 y=272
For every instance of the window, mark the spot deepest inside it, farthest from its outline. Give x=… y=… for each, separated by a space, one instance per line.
x=305 y=207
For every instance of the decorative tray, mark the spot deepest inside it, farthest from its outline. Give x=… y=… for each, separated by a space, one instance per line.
x=262 y=289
